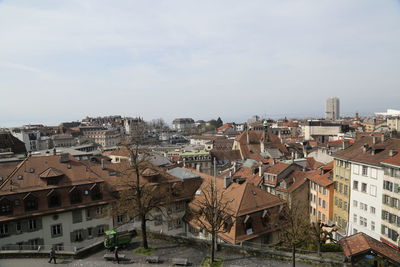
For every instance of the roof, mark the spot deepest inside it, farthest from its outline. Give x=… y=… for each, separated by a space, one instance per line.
x=27 y=176
x=394 y=160
x=182 y=173
x=225 y=126
x=361 y=243
x=368 y=152
x=244 y=198
x=8 y=141
x=277 y=168
x=229 y=155
x=321 y=179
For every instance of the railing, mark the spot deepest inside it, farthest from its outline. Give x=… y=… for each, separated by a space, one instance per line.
x=38 y=248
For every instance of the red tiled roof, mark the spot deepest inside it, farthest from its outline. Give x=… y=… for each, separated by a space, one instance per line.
x=361 y=243
x=394 y=160
x=225 y=126
x=277 y=168
x=321 y=179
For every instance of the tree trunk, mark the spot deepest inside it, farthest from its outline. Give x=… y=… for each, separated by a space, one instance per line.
x=319 y=248
x=144 y=233
x=294 y=255
x=212 y=247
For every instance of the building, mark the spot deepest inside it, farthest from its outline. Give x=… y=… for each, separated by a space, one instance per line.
x=390 y=228
x=332 y=109
x=53 y=200
x=106 y=137
x=198 y=160
x=183 y=124
x=323 y=131
x=359 y=186
x=321 y=195
x=255 y=214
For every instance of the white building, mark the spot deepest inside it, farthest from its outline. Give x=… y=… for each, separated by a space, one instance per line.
x=365 y=199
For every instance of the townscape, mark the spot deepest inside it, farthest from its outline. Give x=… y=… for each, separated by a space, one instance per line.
x=305 y=184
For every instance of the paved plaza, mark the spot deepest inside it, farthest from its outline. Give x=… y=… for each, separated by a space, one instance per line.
x=165 y=250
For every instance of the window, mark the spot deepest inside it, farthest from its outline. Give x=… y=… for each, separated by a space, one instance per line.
x=76 y=196
x=56 y=230
x=340 y=203
x=324 y=191
x=388 y=186
x=355 y=185
x=386 y=199
x=356 y=169
x=372 y=225
x=336 y=202
x=355 y=218
x=372 y=210
x=346 y=188
x=372 y=190
x=31 y=204
x=364 y=170
x=158 y=220
x=78 y=236
x=32 y=225
x=347 y=165
x=18 y=227
x=90 y=232
x=4 y=229
x=6 y=207
x=340 y=187
x=178 y=223
x=121 y=218
x=54 y=200
x=374 y=173
x=355 y=203
x=100 y=230
x=364 y=187
x=363 y=221
x=323 y=204
x=355 y=231
x=345 y=207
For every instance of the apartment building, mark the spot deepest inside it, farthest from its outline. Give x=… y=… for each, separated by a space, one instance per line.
x=364 y=203
x=390 y=224
x=53 y=200
x=321 y=195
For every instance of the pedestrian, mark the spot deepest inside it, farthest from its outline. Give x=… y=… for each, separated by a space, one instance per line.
x=116 y=254
x=53 y=255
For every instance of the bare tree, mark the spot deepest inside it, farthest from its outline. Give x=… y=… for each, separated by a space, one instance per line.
x=140 y=195
x=211 y=210
x=321 y=233
x=296 y=227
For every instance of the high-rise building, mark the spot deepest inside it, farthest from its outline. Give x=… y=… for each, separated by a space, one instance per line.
x=332 y=111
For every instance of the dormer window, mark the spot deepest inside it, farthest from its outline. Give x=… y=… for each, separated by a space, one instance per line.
x=6 y=207
x=95 y=192
x=75 y=196
x=31 y=202
x=53 y=199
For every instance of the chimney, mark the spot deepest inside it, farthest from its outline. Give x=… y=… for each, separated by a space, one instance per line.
x=227 y=181
x=365 y=147
x=261 y=170
x=102 y=164
x=346 y=144
x=234 y=167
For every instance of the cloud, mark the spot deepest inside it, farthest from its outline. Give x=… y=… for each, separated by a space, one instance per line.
x=200 y=59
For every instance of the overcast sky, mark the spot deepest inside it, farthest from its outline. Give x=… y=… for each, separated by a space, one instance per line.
x=64 y=60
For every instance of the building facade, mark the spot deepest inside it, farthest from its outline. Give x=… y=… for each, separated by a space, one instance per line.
x=332 y=109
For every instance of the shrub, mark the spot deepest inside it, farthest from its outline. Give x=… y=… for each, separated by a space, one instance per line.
x=331 y=247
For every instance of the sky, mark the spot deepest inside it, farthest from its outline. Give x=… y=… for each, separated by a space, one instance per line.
x=65 y=60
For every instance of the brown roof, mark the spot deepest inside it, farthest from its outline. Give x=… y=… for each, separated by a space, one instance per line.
x=294 y=180
x=321 y=179
x=277 y=168
x=229 y=155
x=8 y=141
x=225 y=126
x=375 y=152
x=394 y=160
x=28 y=175
x=313 y=164
x=361 y=243
x=245 y=198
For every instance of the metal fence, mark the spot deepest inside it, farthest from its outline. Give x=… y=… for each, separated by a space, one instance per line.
x=38 y=248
